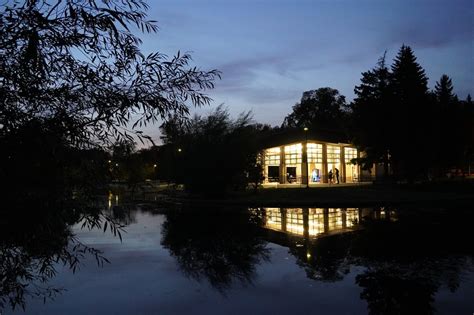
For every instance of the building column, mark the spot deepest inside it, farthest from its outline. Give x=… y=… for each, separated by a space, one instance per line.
x=283 y=219
x=304 y=164
x=326 y=220
x=344 y=217
x=306 y=223
x=342 y=175
x=261 y=160
x=282 y=165
x=325 y=163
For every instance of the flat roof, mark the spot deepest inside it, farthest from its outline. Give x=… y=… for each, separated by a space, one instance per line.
x=296 y=135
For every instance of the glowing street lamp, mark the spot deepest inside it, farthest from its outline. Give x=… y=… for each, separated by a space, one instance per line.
x=307 y=164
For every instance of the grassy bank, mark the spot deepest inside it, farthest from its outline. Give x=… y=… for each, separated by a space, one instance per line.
x=440 y=193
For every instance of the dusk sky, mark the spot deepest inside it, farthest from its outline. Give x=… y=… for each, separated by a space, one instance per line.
x=270 y=51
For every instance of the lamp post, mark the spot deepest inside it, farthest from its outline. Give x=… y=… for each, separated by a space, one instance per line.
x=306 y=155
x=175 y=169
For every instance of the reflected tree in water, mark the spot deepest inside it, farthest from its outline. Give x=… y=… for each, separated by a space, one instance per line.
x=409 y=261
x=37 y=239
x=405 y=262
x=392 y=288
x=221 y=247
x=324 y=260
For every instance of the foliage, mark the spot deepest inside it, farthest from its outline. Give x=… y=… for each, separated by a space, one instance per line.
x=371 y=110
x=398 y=122
x=256 y=175
x=398 y=268
x=322 y=108
x=72 y=76
x=36 y=237
x=78 y=63
x=206 y=248
x=213 y=154
x=444 y=90
x=456 y=135
x=411 y=106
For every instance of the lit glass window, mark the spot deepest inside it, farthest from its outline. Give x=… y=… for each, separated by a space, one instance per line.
x=352 y=171
x=333 y=154
x=272 y=156
x=293 y=153
x=349 y=154
x=315 y=152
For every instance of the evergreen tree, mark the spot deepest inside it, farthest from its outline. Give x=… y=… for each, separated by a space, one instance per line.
x=444 y=90
x=412 y=118
x=448 y=120
x=370 y=114
x=468 y=131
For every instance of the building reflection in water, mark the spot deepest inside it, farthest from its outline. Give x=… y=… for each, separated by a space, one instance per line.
x=312 y=222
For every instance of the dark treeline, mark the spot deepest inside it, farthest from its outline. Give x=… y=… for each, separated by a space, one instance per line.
x=416 y=133
x=399 y=122
x=74 y=82
x=67 y=122
x=213 y=154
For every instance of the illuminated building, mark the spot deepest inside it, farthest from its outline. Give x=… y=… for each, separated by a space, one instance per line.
x=310 y=162
x=312 y=222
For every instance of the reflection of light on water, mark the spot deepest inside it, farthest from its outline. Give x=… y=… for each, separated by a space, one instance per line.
x=393 y=216
x=273 y=216
x=335 y=219
x=318 y=221
x=110 y=199
x=295 y=228
x=352 y=217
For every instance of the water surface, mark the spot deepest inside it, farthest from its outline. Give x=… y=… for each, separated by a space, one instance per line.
x=258 y=261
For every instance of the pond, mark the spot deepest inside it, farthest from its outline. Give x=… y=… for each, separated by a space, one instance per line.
x=209 y=260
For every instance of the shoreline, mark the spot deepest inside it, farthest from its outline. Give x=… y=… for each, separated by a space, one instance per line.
x=438 y=194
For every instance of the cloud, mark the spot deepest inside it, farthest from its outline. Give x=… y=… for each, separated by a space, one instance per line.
x=243 y=72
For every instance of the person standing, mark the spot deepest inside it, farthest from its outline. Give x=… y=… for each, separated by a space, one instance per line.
x=337 y=176
x=330 y=177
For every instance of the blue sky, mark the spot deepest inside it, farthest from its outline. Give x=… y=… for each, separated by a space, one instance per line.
x=270 y=51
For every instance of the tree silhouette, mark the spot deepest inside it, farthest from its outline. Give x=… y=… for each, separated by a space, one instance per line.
x=79 y=63
x=324 y=259
x=396 y=119
x=449 y=115
x=444 y=90
x=322 y=108
x=222 y=247
x=214 y=154
x=405 y=262
x=410 y=115
x=36 y=238
x=371 y=115
x=73 y=70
